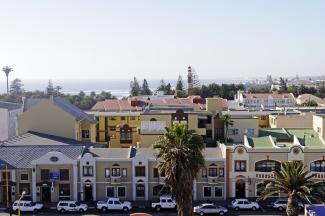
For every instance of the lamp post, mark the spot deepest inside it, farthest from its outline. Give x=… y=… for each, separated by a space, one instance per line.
x=22 y=195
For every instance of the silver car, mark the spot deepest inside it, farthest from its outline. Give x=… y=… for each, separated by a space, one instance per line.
x=209 y=208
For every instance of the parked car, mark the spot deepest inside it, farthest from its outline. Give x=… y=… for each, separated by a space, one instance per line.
x=244 y=204
x=165 y=202
x=281 y=204
x=71 y=206
x=114 y=204
x=27 y=206
x=209 y=208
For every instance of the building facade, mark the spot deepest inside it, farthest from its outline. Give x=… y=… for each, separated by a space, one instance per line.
x=8 y=115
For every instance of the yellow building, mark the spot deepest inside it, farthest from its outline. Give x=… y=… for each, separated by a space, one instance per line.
x=56 y=117
x=117 y=129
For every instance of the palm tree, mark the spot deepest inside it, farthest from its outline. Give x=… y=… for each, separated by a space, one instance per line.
x=227 y=122
x=180 y=159
x=7 y=70
x=295 y=182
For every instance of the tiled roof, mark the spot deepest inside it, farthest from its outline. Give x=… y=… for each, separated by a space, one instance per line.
x=265 y=95
x=22 y=156
x=9 y=106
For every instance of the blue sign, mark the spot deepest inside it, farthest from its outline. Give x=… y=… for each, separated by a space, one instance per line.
x=54 y=175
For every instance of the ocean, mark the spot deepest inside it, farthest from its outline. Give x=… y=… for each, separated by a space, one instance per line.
x=118 y=88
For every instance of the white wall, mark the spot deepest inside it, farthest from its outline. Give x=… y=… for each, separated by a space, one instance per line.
x=3 y=124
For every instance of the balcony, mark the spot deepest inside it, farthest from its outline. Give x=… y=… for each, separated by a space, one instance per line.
x=148 y=127
x=116 y=179
x=264 y=175
x=319 y=175
x=215 y=179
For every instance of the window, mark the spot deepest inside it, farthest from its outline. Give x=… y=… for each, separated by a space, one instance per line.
x=126 y=134
x=266 y=165
x=107 y=173
x=318 y=166
x=88 y=171
x=204 y=172
x=24 y=177
x=132 y=117
x=207 y=191
x=85 y=134
x=112 y=128
x=123 y=118
x=221 y=172
x=140 y=171
x=111 y=118
x=116 y=172
x=110 y=192
x=213 y=172
x=64 y=190
x=319 y=130
x=250 y=132
x=155 y=173
x=45 y=175
x=24 y=187
x=124 y=172
x=140 y=190
x=218 y=192
x=263 y=117
x=232 y=132
x=240 y=166
x=259 y=188
x=153 y=119
x=121 y=191
x=64 y=174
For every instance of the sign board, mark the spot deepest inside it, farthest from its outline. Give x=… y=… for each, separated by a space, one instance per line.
x=54 y=176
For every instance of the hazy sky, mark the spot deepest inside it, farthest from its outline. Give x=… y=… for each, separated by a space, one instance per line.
x=75 y=39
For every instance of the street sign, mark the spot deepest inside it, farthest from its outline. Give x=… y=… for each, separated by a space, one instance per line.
x=54 y=176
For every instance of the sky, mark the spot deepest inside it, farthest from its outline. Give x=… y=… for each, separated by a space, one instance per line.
x=103 y=39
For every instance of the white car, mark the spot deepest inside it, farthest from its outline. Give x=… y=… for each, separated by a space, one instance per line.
x=165 y=202
x=244 y=204
x=114 y=204
x=281 y=204
x=27 y=206
x=71 y=206
x=209 y=208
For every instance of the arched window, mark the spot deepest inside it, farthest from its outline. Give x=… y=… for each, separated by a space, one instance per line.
x=140 y=189
x=126 y=134
x=266 y=165
x=317 y=166
x=153 y=119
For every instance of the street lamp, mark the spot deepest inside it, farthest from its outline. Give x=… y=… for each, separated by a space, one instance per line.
x=22 y=195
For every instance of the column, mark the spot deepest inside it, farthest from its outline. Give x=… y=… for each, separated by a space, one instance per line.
x=34 y=183
x=75 y=182
x=194 y=190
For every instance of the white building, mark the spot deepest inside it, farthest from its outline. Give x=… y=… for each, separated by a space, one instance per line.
x=265 y=100
x=8 y=117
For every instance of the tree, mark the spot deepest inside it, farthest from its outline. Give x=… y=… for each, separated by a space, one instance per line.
x=162 y=86
x=179 y=84
x=134 y=87
x=16 y=87
x=180 y=159
x=7 y=70
x=49 y=89
x=283 y=85
x=310 y=103
x=57 y=91
x=227 y=122
x=292 y=180
x=145 y=90
x=168 y=90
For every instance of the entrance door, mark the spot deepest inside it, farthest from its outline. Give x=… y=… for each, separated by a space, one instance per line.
x=4 y=195
x=240 y=189
x=88 y=193
x=46 y=194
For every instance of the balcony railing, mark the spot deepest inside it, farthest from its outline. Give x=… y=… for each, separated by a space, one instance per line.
x=116 y=179
x=264 y=175
x=215 y=179
x=319 y=175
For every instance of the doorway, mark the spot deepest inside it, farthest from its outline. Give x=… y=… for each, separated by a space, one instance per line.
x=88 y=192
x=240 y=188
x=46 y=194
